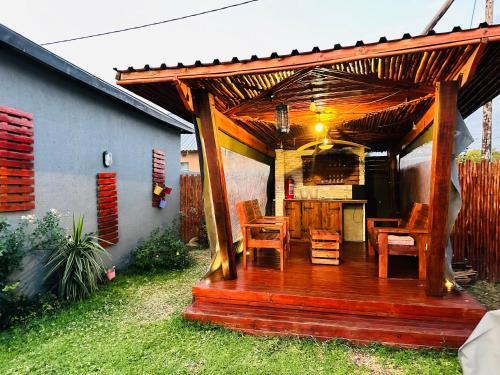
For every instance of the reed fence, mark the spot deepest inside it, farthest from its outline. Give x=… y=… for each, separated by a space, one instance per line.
x=191 y=207
x=476 y=233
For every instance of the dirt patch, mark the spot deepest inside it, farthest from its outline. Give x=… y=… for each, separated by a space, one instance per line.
x=366 y=360
x=486 y=293
x=156 y=303
x=157 y=300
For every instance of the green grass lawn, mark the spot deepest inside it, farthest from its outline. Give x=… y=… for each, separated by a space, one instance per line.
x=134 y=326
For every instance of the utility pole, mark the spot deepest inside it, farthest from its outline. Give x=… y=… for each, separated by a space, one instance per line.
x=440 y=13
x=487 y=108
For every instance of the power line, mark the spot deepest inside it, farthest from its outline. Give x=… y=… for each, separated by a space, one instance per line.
x=151 y=24
x=472 y=16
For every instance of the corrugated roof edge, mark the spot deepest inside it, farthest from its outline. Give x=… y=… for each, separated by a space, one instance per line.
x=25 y=46
x=188 y=143
x=275 y=55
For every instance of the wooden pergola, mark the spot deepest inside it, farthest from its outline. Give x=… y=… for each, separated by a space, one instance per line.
x=383 y=95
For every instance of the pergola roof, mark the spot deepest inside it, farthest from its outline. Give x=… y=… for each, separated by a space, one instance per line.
x=367 y=93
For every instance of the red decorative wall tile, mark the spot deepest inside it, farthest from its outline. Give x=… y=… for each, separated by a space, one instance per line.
x=17 y=175
x=107 y=209
x=158 y=173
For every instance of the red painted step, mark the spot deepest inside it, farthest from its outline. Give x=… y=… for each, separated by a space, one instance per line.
x=259 y=320
x=470 y=314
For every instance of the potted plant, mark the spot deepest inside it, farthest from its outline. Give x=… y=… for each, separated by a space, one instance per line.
x=111 y=273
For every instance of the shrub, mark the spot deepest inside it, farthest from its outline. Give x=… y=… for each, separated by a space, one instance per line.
x=475 y=156
x=18 y=309
x=203 y=241
x=48 y=234
x=77 y=264
x=162 y=250
x=12 y=249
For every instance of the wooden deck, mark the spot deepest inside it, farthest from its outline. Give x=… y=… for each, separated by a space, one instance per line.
x=347 y=301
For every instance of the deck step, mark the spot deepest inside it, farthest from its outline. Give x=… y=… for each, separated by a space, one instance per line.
x=259 y=320
x=346 y=304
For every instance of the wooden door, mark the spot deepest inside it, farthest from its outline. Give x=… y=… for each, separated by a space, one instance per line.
x=332 y=216
x=311 y=216
x=292 y=210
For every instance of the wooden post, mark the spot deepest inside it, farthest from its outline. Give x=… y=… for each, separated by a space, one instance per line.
x=446 y=5
x=440 y=183
x=488 y=107
x=393 y=187
x=205 y=110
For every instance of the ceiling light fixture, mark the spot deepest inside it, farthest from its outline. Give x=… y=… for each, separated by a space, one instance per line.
x=319 y=127
x=282 y=125
x=325 y=145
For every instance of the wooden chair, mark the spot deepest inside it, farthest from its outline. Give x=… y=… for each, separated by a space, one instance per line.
x=415 y=227
x=262 y=232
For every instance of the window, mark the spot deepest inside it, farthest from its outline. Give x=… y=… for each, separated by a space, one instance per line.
x=184 y=166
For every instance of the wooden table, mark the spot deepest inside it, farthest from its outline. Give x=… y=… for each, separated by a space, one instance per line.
x=325 y=246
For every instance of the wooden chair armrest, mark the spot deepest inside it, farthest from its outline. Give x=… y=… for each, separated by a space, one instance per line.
x=263 y=225
x=401 y=230
x=384 y=219
x=273 y=218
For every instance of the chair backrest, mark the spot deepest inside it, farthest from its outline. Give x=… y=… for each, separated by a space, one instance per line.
x=256 y=208
x=246 y=213
x=419 y=216
x=249 y=210
x=242 y=215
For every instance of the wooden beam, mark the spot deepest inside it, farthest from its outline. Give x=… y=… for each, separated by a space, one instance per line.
x=393 y=183
x=379 y=82
x=205 y=110
x=185 y=95
x=312 y=75
x=228 y=126
x=265 y=95
x=440 y=183
x=469 y=70
x=307 y=60
x=422 y=125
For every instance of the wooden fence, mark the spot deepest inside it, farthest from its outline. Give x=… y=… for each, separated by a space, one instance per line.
x=476 y=234
x=191 y=206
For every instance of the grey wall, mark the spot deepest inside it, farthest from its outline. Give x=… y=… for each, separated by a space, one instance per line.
x=73 y=126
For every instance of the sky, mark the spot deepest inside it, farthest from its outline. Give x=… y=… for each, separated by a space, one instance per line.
x=257 y=28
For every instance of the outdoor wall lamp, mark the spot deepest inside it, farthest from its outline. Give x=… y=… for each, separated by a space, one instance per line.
x=107 y=158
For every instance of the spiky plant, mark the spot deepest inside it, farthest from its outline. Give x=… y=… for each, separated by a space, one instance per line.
x=77 y=265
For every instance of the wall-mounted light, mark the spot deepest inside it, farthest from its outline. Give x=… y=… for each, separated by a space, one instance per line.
x=107 y=158
x=282 y=125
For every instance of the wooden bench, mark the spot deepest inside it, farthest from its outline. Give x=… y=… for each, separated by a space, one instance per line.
x=325 y=246
x=389 y=240
x=262 y=232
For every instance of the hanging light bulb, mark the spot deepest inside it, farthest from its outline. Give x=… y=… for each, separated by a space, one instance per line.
x=319 y=127
x=312 y=105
